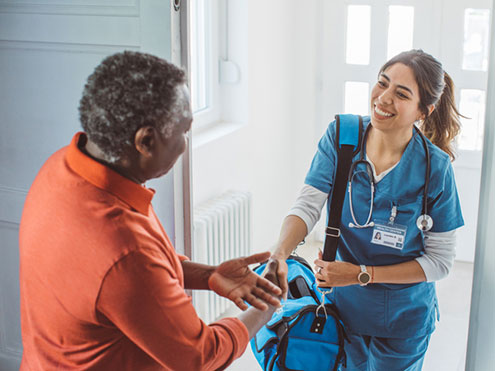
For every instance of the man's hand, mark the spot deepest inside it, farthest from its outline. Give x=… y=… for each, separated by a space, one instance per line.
x=234 y=280
x=276 y=271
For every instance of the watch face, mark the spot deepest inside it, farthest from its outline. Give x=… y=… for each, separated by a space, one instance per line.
x=364 y=277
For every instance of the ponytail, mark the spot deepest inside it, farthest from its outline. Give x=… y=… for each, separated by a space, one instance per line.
x=443 y=124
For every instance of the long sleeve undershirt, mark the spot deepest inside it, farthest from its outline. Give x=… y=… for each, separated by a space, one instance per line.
x=439 y=254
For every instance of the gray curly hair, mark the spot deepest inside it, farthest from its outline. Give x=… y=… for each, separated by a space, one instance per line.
x=127 y=91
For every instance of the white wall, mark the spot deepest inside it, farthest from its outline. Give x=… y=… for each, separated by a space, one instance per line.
x=271 y=154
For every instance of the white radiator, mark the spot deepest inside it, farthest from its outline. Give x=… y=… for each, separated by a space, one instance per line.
x=222 y=231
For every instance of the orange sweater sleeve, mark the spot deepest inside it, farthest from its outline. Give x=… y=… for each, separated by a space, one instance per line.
x=141 y=295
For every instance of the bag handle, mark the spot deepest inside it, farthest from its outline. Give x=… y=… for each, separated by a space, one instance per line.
x=348 y=144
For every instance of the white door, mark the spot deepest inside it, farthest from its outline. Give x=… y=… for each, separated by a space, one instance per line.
x=454 y=31
x=465 y=50
x=47 y=49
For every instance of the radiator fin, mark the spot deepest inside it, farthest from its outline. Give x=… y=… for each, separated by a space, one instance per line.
x=222 y=231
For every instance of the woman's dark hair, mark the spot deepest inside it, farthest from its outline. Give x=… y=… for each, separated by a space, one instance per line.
x=125 y=92
x=435 y=87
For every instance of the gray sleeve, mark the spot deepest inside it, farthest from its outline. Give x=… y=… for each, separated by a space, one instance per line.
x=308 y=205
x=439 y=254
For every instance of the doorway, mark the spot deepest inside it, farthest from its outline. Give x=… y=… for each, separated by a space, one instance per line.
x=457 y=33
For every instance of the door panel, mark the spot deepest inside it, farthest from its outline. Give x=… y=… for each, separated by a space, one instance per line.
x=10 y=336
x=468 y=163
x=40 y=93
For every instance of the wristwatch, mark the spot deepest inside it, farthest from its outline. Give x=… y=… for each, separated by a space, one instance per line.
x=363 y=277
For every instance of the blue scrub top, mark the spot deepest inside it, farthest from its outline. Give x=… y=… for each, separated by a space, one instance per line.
x=389 y=310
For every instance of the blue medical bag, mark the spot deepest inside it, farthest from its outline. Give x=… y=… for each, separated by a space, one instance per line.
x=302 y=334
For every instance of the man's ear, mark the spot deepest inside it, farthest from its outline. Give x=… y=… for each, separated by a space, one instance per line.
x=145 y=140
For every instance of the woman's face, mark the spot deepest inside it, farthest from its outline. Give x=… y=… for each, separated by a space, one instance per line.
x=395 y=100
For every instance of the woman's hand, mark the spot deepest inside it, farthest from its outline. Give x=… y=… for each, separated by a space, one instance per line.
x=336 y=273
x=276 y=272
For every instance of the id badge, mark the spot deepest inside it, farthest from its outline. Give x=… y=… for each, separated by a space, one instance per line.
x=389 y=235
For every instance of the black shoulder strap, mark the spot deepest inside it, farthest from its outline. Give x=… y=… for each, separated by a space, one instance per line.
x=347 y=143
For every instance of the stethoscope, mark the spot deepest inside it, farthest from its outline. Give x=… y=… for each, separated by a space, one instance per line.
x=424 y=221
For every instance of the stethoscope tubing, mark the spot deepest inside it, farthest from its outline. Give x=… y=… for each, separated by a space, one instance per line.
x=424 y=222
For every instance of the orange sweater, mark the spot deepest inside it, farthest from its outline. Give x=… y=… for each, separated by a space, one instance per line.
x=101 y=285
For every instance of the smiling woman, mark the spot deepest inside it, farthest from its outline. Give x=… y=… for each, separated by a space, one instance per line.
x=392 y=333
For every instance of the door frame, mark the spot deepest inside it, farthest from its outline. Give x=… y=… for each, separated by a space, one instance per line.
x=182 y=170
x=481 y=337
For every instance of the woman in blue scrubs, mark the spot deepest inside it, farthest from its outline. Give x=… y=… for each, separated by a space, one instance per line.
x=386 y=268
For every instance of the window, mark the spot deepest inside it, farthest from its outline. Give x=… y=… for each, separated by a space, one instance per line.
x=218 y=54
x=358 y=34
x=204 y=53
x=200 y=57
x=400 y=29
x=472 y=105
x=476 y=37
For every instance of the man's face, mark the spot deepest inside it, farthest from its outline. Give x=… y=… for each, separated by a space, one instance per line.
x=172 y=143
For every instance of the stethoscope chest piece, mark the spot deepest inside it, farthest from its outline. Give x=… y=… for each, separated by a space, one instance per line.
x=424 y=222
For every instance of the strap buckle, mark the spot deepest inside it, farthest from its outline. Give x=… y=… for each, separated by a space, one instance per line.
x=333 y=232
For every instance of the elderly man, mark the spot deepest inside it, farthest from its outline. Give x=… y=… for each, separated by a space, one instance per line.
x=101 y=285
